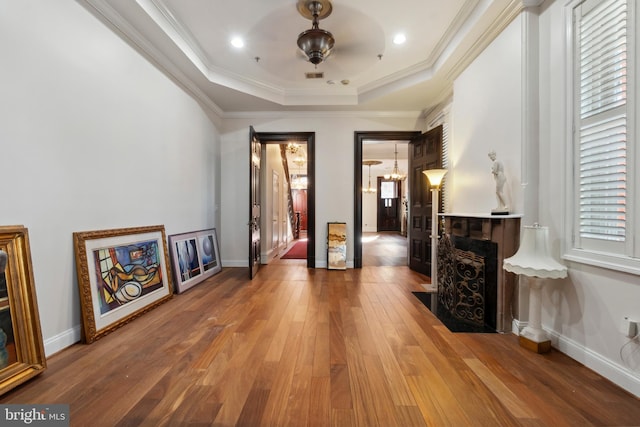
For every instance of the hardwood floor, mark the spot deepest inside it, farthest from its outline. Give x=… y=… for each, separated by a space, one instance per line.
x=320 y=348
x=387 y=248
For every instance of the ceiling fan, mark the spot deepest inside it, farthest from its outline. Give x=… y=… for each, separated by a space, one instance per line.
x=316 y=43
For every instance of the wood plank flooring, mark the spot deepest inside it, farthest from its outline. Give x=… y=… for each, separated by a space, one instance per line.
x=299 y=347
x=386 y=248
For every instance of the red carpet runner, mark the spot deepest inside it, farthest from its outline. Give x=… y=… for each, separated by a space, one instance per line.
x=298 y=251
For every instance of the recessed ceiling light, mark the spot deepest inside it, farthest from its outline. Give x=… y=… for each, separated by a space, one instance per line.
x=237 y=42
x=399 y=38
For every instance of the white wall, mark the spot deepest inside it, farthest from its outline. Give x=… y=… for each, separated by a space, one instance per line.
x=369 y=202
x=583 y=312
x=334 y=133
x=92 y=137
x=486 y=115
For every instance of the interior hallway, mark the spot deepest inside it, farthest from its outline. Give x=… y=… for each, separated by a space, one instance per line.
x=386 y=248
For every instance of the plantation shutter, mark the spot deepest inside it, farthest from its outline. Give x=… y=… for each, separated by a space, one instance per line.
x=445 y=163
x=602 y=119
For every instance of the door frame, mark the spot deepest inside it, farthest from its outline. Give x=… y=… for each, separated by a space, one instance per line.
x=358 y=140
x=308 y=138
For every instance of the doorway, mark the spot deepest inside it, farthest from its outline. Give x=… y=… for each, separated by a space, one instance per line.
x=390 y=201
x=304 y=200
x=360 y=139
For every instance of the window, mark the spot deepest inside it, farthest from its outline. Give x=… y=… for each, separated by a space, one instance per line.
x=602 y=89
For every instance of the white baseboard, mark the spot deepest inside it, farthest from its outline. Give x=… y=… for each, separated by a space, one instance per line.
x=235 y=263
x=614 y=372
x=517 y=326
x=609 y=369
x=63 y=340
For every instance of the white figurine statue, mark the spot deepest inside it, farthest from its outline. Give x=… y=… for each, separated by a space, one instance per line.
x=497 y=169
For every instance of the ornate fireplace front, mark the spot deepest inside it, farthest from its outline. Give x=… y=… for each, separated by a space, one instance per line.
x=473 y=289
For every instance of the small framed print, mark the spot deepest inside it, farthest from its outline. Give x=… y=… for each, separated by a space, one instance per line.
x=195 y=256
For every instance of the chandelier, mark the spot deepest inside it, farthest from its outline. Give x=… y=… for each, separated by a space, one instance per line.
x=293 y=147
x=369 y=163
x=299 y=181
x=395 y=175
x=316 y=43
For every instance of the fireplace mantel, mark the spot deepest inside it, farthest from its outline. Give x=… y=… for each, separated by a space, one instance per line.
x=504 y=231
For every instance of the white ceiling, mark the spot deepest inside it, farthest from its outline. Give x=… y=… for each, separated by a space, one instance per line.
x=190 y=41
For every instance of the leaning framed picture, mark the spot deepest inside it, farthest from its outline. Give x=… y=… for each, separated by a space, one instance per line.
x=195 y=256
x=22 y=354
x=122 y=273
x=337 y=246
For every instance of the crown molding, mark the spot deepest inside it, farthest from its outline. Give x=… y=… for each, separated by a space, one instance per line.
x=157 y=11
x=327 y=114
x=506 y=16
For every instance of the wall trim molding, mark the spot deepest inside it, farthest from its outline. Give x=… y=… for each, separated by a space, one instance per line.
x=321 y=114
x=62 y=340
x=613 y=371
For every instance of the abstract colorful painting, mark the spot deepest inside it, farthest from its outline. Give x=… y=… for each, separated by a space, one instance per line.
x=122 y=273
x=126 y=273
x=195 y=256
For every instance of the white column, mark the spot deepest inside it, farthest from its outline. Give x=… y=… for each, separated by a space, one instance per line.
x=434 y=237
x=534 y=331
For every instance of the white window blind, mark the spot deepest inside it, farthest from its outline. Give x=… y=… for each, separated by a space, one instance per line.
x=601 y=48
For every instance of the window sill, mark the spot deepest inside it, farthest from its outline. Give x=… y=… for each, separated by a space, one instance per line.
x=599 y=259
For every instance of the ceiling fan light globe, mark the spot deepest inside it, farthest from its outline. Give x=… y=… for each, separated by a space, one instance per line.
x=316 y=43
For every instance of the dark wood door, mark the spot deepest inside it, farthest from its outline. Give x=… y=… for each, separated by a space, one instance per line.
x=300 y=206
x=425 y=152
x=255 y=154
x=389 y=207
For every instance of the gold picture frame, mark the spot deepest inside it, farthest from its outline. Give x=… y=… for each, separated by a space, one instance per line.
x=122 y=273
x=21 y=347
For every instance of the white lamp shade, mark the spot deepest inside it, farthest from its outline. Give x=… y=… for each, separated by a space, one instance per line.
x=435 y=176
x=533 y=258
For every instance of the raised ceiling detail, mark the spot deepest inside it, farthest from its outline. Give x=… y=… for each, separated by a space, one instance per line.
x=190 y=40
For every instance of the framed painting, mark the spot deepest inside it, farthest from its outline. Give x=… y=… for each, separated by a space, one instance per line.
x=21 y=346
x=122 y=273
x=195 y=256
x=337 y=246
